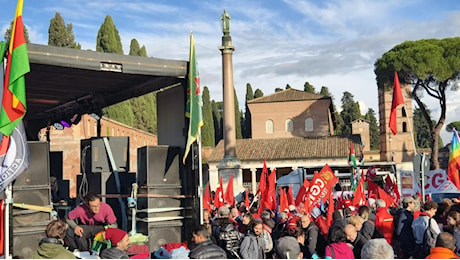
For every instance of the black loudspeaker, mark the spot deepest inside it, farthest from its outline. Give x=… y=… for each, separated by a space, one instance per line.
x=161 y=233
x=38 y=173
x=25 y=242
x=56 y=163
x=63 y=192
x=95 y=156
x=36 y=197
x=164 y=202
x=159 y=165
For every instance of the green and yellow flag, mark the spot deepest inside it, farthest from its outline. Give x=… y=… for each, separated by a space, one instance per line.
x=14 y=88
x=194 y=103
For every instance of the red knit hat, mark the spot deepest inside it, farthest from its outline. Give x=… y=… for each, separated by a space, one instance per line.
x=115 y=235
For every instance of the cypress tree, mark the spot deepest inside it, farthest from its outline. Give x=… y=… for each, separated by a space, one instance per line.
x=217 y=118
x=108 y=38
x=60 y=34
x=238 y=117
x=374 y=131
x=350 y=112
x=207 y=131
x=247 y=130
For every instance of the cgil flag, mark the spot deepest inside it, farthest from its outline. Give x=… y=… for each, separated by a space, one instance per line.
x=397 y=100
x=14 y=88
x=194 y=103
x=454 y=161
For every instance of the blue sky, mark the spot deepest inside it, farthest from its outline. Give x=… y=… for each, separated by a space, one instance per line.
x=331 y=43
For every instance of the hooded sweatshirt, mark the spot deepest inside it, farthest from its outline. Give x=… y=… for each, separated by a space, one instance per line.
x=52 y=248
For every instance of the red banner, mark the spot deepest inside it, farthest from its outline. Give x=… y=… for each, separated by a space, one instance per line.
x=321 y=186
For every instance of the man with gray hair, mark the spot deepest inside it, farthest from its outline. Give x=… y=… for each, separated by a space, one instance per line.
x=384 y=220
x=377 y=248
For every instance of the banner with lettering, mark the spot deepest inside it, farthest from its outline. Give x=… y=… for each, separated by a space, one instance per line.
x=321 y=186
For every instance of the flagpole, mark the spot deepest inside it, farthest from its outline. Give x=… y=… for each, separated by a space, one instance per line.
x=411 y=131
x=200 y=176
x=7 y=204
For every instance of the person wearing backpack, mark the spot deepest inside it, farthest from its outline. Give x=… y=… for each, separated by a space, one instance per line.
x=225 y=234
x=425 y=230
x=404 y=238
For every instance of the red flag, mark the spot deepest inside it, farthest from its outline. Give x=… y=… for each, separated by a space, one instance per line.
x=262 y=187
x=372 y=189
x=270 y=196
x=303 y=192
x=321 y=185
x=381 y=194
x=283 y=201
x=246 y=199
x=360 y=197
x=330 y=210
x=207 y=198
x=219 y=197
x=229 y=195
x=290 y=196
x=397 y=100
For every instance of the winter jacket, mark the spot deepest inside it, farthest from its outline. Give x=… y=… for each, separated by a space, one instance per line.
x=358 y=244
x=341 y=251
x=229 y=239
x=419 y=226
x=368 y=229
x=441 y=253
x=384 y=224
x=113 y=253
x=207 y=250
x=311 y=239
x=52 y=248
x=252 y=247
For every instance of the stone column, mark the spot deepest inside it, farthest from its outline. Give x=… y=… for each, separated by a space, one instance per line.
x=254 y=180
x=230 y=163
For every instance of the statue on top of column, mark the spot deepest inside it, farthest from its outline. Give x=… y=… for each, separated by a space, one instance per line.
x=225 y=18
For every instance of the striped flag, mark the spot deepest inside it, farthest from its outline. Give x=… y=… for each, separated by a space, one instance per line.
x=454 y=161
x=14 y=89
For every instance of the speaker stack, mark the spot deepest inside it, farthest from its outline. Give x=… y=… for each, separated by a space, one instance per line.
x=160 y=203
x=98 y=173
x=32 y=187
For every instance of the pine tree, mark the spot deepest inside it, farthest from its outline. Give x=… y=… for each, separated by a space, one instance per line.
x=288 y=86
x=207 y=131
x=217 y=118
x=325 y=91
x=247 y=129
x=60 y=34
x=278 y=90
x=307 y=87
x=108 y=38
x=374 y=131
x=258 y=93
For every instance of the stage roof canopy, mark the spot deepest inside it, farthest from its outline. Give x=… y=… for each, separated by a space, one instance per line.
x=63 y=82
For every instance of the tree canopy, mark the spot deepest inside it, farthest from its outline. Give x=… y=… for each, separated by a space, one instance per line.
x=108 y=38
x=60 y=34
x=432 y=67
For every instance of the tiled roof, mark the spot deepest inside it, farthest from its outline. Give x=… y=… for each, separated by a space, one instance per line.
x=290 y=148
x=287 y=95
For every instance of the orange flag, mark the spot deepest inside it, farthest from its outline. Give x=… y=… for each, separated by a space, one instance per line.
x=397 y=100
x=229 y=195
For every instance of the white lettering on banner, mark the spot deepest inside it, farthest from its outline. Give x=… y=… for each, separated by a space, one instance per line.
x=11 y=170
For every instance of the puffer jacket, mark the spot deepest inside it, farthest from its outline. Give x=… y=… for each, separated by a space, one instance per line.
x=229 y=239
x=252 y=247
x=113 y=253
x=52 y=248
x=207 y=250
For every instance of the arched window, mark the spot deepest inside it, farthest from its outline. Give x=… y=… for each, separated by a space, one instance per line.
x=404 y=125
x=289 y=126
x=309 y=125
x=403 y=112
x=269 y=126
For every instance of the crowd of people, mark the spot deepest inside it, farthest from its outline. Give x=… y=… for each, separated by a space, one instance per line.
x=412 y=230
